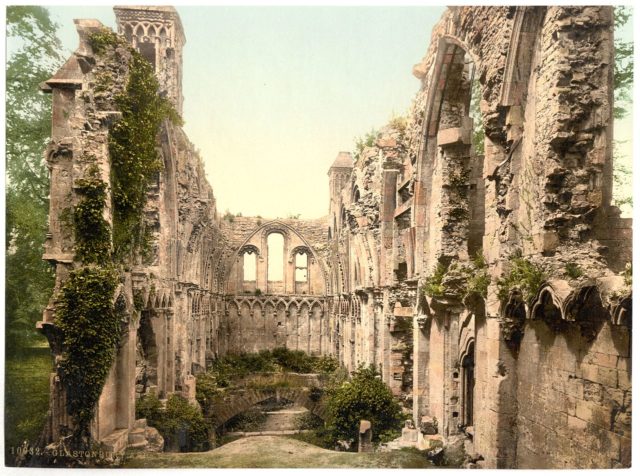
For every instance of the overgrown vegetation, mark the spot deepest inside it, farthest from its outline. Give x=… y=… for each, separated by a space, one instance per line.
x=364 y=397
x=135 y=162
x=368 y=140
x=86 y=314
x=33 y=54
x=92 y=233
x=523 y=275
x=91 y=328
x=459 y=280
x=573 y=271
x=251 y=420
x=225 y=370
x=433 y=286
x=181 y=424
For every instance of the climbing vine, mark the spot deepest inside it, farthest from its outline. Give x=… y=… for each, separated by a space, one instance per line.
x=134 y=157
x=92 y=232
x=86 y=314
x=91 y=329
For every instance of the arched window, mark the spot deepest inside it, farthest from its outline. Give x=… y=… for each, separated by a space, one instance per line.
x=302 y=267
x=275 y=257
x=249 y=265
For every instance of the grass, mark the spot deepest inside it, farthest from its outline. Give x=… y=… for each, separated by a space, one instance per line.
x=277 y=452
x=26 y=395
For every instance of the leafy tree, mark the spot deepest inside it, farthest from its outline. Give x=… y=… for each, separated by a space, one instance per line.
x=33 y=56
x=622 y=101
x=623 y=68
x=364 y=397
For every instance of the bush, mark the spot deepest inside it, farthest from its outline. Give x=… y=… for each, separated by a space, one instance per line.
x=251 y=420
x=179 y=418
x=206 y=389
x=364 y=397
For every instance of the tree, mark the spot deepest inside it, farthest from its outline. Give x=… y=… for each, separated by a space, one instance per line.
x=622 y=101
x=33 y=56
x=364 y=397
x=623 y=68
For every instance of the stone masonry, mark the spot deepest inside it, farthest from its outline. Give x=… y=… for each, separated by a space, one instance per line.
x=531 y=377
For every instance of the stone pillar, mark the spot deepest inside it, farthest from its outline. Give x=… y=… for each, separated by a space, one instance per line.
x=364 y=437
x=420 y=367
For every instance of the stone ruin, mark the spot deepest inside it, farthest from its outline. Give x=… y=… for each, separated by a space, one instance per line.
x=530 y=377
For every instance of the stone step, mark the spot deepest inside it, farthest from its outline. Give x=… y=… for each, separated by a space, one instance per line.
x=137 y=436
x=116 y=441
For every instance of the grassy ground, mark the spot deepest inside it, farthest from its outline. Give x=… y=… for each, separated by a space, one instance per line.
x=276 y=452
x=26 y=395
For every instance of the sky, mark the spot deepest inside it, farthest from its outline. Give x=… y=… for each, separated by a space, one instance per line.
x=272 y=94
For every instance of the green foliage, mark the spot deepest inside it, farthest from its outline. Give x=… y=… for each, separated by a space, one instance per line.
x=104 y=39
x=26 y=401
x=228 y=216
x=91 y=329
x=399 y=123
x=523 y=275
x=368 y=140
x=134 y=157
x=149 y=407
x=251 y=420
x=572 y=270
x=234 y=366
x=178 y=416
x=325 y=364
x=364 y=397
x=32 y=57
x=206 y=389
x=309 y=421
x=623 y=69
x=91 y=231
x=433 y=286
x=477 y=277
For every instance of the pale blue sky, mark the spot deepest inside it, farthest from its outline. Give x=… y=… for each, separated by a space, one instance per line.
x=272 y=94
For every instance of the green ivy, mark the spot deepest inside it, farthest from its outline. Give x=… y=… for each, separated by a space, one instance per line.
x=86 y=315
x=134 y=156
x=91 y=328
x=524 y=276
x=91 y=231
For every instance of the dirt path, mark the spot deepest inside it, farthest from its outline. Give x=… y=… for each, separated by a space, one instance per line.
x=277 y=452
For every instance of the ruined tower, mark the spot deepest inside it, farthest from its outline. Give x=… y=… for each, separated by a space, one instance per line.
x=156 y=32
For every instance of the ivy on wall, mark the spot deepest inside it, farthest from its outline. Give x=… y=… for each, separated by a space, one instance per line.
x=91 y=231
x=91 y=329
x=86 y=314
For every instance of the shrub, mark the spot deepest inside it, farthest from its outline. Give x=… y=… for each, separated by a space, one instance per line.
x=251 y=420
x=206 y=389
x=178 y=417
x=364 y=397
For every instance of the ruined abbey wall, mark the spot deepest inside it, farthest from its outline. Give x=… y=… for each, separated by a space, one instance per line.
x=421 y=213
x=502 y=166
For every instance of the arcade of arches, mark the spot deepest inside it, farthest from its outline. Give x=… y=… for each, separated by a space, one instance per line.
x=533 y=375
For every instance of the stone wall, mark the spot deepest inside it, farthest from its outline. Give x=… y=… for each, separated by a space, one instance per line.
x=412 y=213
